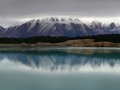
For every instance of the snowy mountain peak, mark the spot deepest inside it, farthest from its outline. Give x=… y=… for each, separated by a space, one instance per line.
x=52 y=26
x=61 y=20
x=1 y=27
x=2 y=30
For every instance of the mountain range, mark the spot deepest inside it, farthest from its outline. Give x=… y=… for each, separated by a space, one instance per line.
x=59 y=27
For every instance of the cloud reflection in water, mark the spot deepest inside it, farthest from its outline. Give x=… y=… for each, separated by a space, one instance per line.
x=72 y=60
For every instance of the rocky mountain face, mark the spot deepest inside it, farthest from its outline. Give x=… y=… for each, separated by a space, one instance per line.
x=2 y=31
x=59 y=27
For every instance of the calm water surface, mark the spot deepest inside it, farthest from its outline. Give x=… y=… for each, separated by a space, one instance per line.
x=69 y=68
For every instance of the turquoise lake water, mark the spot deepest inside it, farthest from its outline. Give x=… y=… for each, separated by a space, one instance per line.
x=69 y=68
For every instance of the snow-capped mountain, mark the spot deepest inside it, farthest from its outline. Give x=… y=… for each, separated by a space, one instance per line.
x=61 y=27
x=2 y=32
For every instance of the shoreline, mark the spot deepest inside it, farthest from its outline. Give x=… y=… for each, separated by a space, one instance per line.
x=69 y=43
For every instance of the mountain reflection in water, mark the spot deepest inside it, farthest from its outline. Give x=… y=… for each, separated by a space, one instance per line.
x=76 y=60
x=60 y=69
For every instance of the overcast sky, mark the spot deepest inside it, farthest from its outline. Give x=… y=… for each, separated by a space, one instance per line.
x=15 y=10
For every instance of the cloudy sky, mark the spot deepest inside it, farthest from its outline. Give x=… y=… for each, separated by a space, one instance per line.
x=12 y=11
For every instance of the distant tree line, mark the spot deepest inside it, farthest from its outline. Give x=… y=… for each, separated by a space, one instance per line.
x=115 y=38
x=45 y=39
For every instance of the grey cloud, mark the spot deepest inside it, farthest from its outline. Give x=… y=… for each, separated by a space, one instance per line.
x=37 y=8
x=26 y=8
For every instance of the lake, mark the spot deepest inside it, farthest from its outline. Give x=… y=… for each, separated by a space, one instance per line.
x=66 y=68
